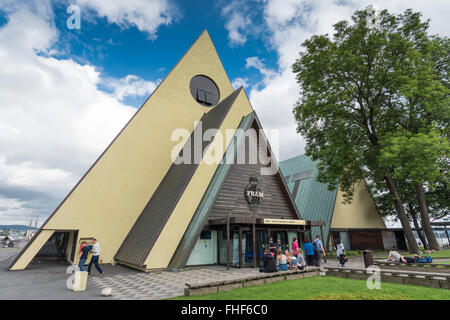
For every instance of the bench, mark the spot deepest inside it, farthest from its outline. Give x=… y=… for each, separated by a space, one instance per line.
x=433 y=267
x=207 y=287
x=418 y=278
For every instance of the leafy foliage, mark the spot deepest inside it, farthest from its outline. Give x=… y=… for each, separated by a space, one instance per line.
x=374 y=99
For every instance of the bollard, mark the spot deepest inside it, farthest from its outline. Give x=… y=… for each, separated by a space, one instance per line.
x=368 y=258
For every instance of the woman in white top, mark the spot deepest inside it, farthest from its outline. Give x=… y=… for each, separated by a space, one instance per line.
x=281 y=261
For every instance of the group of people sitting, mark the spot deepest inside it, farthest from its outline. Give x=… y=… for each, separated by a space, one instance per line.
x=275 y=260
x=283 y=261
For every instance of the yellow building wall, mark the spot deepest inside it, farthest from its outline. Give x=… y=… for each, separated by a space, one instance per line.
x=170 y=237
x=108 y=200
x=361 y=213
x=38 y=241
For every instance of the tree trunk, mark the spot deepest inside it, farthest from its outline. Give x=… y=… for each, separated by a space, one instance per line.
x=412 y=243
x=417 y=226
x=425 y=218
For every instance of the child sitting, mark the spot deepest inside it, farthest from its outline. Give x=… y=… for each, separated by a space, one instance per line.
x=293 y=261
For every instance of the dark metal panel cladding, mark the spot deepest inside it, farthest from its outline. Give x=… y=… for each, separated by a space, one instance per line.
x=150 y=223
x=198 y=221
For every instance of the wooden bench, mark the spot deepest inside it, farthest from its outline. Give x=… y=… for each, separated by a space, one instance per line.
x=419 y=278
x=433 y=267
x=207 y=287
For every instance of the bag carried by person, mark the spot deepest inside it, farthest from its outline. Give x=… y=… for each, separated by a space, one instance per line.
x=424 y=259
x=316 y=247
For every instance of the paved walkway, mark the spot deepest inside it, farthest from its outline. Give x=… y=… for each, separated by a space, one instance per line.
x=8 y=254
x=163 y=285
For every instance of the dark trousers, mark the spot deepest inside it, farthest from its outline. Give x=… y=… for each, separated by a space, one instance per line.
x=341 y=260
x=310 y=260
x=94 y=260
x=317 y=258
x=81 y=264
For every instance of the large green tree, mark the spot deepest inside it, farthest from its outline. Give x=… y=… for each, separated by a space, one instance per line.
x=415 y=159
x=358 y=90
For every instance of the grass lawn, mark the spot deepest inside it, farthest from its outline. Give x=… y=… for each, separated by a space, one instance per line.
x=326 y=288
x=443 y=253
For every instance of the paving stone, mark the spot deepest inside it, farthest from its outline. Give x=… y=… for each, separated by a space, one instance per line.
x=168 y=284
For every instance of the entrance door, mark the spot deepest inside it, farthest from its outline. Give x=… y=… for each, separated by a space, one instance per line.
x=55 y=247
x=401 y=242
x=247 y=249
x=281 y=239
x=262 y=240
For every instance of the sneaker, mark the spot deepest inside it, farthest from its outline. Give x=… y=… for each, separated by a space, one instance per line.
x=101 y=274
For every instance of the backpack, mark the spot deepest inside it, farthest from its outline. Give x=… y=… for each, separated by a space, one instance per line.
x=424 y=259
x=316 y=247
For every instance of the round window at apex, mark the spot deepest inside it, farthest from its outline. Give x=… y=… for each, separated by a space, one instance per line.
x=204 y=90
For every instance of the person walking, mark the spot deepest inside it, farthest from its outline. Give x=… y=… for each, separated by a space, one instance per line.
x=83 y=255
x=340 y=253
x=294 y=245
x=308 y=248
x=95 y=257
x=318 y=251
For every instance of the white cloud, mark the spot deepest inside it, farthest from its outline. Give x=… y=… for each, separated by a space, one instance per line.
x=240 y=22
x=273 y=103
x=146 y=15
x=236 y=27
x=54 y=120
x=258 y=64
x=289 y=23
x=130 y=86
x=13 y=211
x=240 y=82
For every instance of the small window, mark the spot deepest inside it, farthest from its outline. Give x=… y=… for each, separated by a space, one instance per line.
x=204 y=97
x=204 y=90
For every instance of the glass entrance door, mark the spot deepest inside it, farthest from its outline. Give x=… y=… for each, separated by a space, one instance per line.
x=281 y=239
x=262 y=240
x=247 y=249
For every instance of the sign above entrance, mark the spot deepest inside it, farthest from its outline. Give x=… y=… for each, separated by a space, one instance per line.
x=285 y=221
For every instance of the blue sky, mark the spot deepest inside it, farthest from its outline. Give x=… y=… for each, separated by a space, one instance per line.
x=57 y=85
x=119 y=51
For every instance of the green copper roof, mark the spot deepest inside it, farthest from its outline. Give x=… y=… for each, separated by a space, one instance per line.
x=313 y=199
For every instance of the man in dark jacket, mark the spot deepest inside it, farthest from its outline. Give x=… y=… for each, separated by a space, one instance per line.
x=83 y=255
x=268 y=263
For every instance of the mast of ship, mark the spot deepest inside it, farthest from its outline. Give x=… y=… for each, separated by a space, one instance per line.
x=27 y=235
